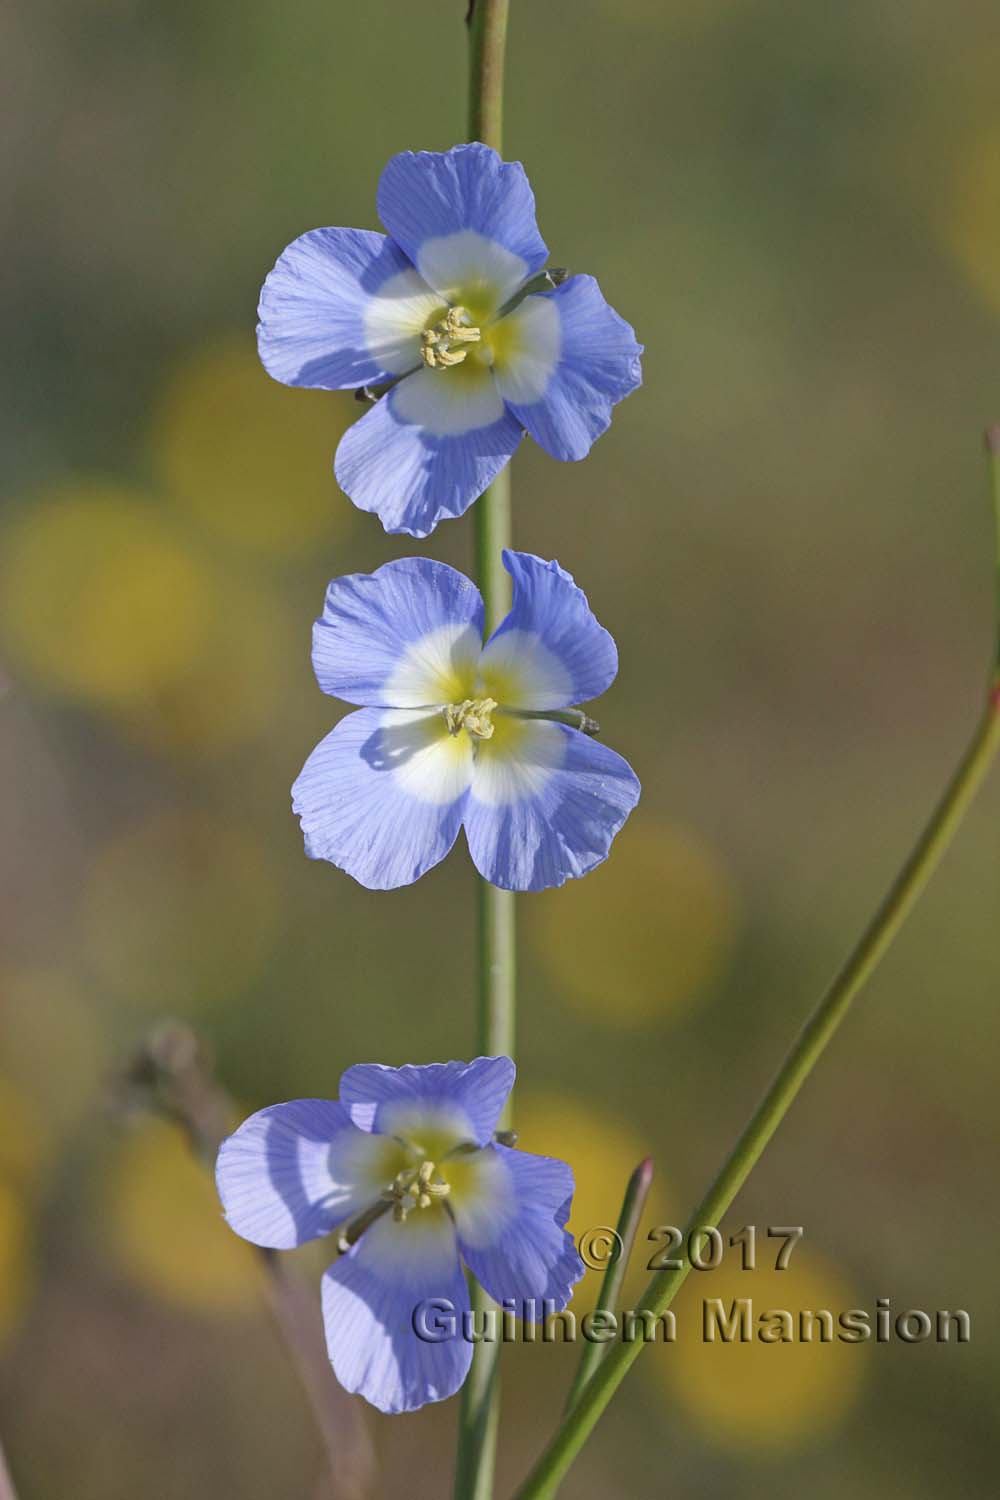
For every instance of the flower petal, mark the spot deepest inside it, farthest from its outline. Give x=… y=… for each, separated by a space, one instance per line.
x=473 y=1092
x=466 y=219
x=545 y=805
x=550 y=651
x=342 y=308
x=565 y=401
x=511 y=1218
x=408 y=635
x=371 y=1298
x=293 y=1171
x=382 y=796
x=428 y=449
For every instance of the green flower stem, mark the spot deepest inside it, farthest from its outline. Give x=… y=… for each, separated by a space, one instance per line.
x=550 y=1470
x=480 y=1408
x=633 y=1205
x=487 y=47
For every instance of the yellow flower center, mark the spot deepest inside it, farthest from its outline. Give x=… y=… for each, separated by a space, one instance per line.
x=445 y=343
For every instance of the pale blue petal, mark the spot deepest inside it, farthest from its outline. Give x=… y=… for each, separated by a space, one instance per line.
x=428 y=198
x=370 y=1299
x=398 y=635
x=550 y=644
x=598 y=365
x=547 y=810
x=342 y=308
x=292 y=1172
x=478 y=1090
x=382 y=796
x=412 y=477
x=512 y=1232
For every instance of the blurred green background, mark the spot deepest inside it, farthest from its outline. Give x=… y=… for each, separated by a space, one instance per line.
x=788 y=533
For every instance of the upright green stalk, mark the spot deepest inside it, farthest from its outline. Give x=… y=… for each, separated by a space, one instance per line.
x=480 y=1409
x=549 y=1472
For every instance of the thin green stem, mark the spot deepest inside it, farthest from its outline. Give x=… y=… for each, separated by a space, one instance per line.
x=487 y=48
x=993 y=455
x=633 y=1204
x=480 y=1409
x=545 y=1478
x=497 y=964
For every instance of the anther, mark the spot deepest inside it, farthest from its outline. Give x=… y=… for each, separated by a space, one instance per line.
x=474 y=715
x=437 y=344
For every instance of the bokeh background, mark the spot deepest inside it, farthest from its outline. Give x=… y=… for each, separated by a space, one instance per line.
x=787 y=531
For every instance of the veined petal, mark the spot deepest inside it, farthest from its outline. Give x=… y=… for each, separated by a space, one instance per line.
x=466 y=219
x=545 y=805
x=382 y=796
x=473 y=1093
x=342 y=308
x=511 y=1212
x=408 y=635
x=563 y=389
x=370 y=1299
x=550 y=651
x=427 y=449
x=293 y=1171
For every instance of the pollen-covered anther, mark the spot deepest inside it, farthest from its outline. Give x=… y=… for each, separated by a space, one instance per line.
x=443 y=345
x=474 y=715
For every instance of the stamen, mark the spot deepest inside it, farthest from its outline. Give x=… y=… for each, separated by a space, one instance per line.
x=474 y=715
x=437 y=344
x=415 y=1187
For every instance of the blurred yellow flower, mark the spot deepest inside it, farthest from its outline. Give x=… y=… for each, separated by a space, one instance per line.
x=603 y=1152
x=160 y=1218
x=251 y=458
x=970 y=220
x=104 y=601
x=179 y=912
x=16 y=1266
x=761 y=1395
x=231 y=691
x=645 y=934
x=25 y=1135
x=99 y=597
x=51 y=1041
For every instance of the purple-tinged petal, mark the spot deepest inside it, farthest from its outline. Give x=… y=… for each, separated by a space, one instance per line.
x=466 y=219
x=569 y=379
x=342 y=308
x=474 y=1093
x=428 y=449
x=511 y=1221
x=374 y=1296
x=293 y=1171
x=407 y=636
x=545 y=805
x=550 y=651
x=382 y=796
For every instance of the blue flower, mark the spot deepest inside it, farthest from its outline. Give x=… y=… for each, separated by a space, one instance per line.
x=404 y=1167
x=454 y=733
x=448 y=309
